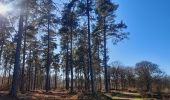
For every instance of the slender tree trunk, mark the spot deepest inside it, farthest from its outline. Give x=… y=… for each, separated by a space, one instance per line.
x=5 y=70
x=47 y=84
x=32 y=78
x=35 y=77
x=71 y=60
x=88 y=72
x=86 y=66
x=3 y=77
x=89 y=48
x=13 y=91
x=86 y=76
x=109 y=80
x=23 y=59
x=67 y=69
x=29 y=73
x=9 y=75
x=148 y=85
x=2 y=46
x=100 y=77
x=55 y=79
x=41 y=79
x=2 y=41
x=105 y=59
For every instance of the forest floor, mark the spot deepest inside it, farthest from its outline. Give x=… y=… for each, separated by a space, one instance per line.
x=53 y=95
x=65 y=95
x=123 y=95
x=40 y=95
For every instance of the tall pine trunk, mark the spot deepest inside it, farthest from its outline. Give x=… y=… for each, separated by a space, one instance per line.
x=105 y=58
x=55 y=79
x=9 y=75
x=23 y=59
x=13 y=91
x=47 y=84
x=67 y=68
x=5 y=70
x=29 y=72
x=35 y=76
x=71 y=57
x=2 y=40
x=1 y=50
x=89 y=48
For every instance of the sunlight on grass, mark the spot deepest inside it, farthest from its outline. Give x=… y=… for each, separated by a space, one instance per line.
x=137 y=99
x=121 y=97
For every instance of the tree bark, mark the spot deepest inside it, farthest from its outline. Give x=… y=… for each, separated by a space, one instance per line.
x=47 y=84
x=2 y=41
x=35 y=76
x=13 y=91
x=55 y=79
x=67 y=69
x=105 y=58
x=71 y=58
x=89 y=48
x=23 y=59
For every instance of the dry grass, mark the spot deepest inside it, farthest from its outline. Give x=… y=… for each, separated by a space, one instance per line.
x=65 y=95
x=41 y=95
x=121 y=95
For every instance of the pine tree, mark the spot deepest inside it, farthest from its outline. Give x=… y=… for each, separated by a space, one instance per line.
x=13 y=91
x=106 y=10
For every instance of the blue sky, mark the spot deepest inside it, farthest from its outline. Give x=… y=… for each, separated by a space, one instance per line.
x=148 y=22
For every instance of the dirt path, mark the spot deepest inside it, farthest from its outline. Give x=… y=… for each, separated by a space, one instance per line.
x=40 y=95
